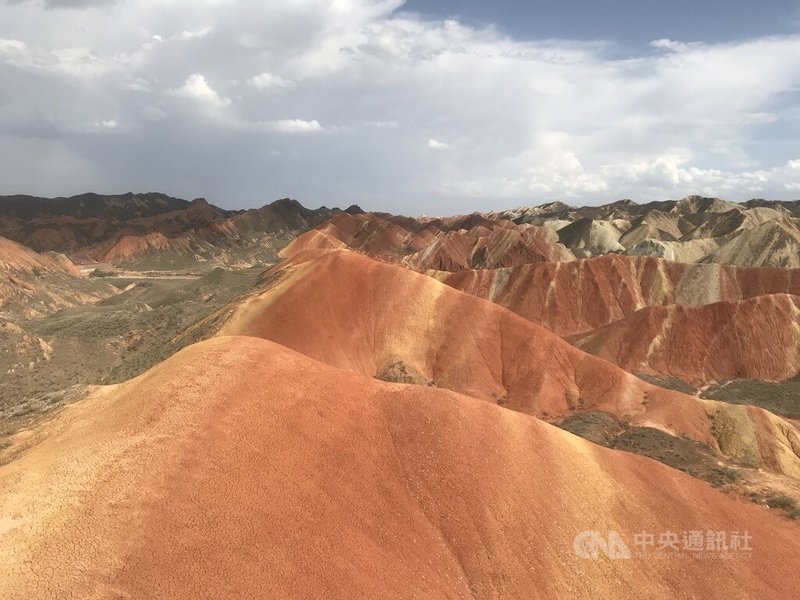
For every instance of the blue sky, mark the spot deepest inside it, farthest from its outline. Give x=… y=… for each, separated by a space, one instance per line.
x=412 y=107
x=628 y=22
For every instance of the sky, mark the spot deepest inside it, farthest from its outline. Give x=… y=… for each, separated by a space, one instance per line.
x=627 y=22
x=417 y=107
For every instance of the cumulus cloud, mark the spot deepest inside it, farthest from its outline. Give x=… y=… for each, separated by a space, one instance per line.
x=197 y=88
x=194 y=35
x=224 y=84
x=566 y=177
x=437 y=145
x=11 y=47
x=268 y=81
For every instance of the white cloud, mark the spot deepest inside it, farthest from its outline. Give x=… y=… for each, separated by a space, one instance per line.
x=523 y=120
x=197 y=88
x=563 y=175
x=80 y=62
x=673 y=46
x=108 y=124
x=268 y=81
x=13 y=47
x=665 y=176
x=194 y=35
x=294 y=126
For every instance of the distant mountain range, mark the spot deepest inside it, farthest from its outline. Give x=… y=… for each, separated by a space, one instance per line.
x=694 y=229
x=158 y=231
x=154 y=230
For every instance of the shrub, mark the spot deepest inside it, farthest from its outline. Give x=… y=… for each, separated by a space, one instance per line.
x=101 y=273
x=782 y=501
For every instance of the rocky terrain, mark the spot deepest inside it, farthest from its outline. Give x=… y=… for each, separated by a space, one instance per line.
x=691 y=230
x=197 y=400
x=154 y=231
x=455 y=244
x=755 y=338
x=34 y=285
x=580 y=296
x=141 y=322
x=694 y=229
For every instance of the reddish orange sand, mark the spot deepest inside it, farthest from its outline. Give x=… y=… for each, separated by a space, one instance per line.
x=756 y=338
x=366 y=315
x=360 y=314
x=577 y=297
x=240 y=469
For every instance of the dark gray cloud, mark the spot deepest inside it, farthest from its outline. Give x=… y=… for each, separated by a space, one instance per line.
x=243 y=101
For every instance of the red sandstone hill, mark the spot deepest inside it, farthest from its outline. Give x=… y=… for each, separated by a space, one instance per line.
x=452 y=244
x=577 y=297
x=756 y=338
x=240 y=468
x=16 y=258
x=33 y=284
x=382 y=320
x=485 y=248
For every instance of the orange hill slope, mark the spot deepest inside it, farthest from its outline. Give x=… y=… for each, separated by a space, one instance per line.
x=382 y=320
x=502 y=245
x=577 y=297
x=757 y=338
x=16 y=258
x=238 y=468
x=451 y=244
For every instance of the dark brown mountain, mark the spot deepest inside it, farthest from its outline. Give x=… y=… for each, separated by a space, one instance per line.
x=154 y=230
